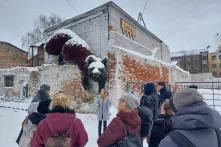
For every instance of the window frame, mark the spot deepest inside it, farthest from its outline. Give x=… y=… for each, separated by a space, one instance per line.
x=9 y=81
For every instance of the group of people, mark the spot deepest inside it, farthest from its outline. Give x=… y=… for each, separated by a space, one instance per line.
x=161 y=118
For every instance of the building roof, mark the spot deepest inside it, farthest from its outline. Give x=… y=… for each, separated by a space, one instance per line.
x=188 y=53
x=98 y=9
x=12 y=46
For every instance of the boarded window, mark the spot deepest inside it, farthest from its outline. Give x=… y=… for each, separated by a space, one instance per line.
x=9 y=81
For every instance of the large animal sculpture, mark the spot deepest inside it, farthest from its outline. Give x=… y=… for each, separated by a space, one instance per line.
x=72 y=49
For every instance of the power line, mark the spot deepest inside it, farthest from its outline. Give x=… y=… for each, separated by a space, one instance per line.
x=144 y=6
x=72 y=6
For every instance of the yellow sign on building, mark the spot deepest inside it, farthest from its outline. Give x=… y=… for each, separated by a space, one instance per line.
x=127 y=29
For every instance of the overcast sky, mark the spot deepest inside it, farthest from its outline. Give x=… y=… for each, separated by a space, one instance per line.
x=182 y=24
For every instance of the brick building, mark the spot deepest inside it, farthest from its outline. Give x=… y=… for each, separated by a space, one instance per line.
x=107 y=29
x=215 y=63
x=195 y=61
x=38 y=58
x=11 y=56
x=134 y=53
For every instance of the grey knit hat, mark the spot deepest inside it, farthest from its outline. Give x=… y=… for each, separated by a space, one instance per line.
x=131 y=101
x=186 y=97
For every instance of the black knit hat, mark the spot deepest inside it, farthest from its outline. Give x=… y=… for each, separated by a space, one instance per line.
x=45 y=87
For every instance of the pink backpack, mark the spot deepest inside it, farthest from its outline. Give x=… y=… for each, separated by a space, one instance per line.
x=60 y=139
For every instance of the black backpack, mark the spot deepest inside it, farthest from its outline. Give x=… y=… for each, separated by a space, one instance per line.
x=183 y=141
x=149 y=102
x=129 y=140
x=146 y=116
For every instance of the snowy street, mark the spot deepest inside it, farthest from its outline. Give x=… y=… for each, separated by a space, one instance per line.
x=11 y=119
x=10 y=122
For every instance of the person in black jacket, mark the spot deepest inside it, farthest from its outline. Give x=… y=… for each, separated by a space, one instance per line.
x=150 y=99
x=163 y=92
x=30 y=123
x=162 y=126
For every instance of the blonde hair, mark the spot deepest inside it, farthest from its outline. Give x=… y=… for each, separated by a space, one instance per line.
x=59 y=99
x=103 y=93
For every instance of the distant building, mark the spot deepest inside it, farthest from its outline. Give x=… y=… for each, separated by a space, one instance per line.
x=11 y=56
x=195 y=61
x=38 y=58
x=215 y=63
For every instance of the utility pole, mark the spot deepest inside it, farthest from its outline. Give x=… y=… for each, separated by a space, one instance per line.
x=32 y=54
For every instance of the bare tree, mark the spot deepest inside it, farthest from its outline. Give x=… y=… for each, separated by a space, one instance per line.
x=41 y=23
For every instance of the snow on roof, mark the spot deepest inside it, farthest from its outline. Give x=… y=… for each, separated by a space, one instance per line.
x=152 y=58
x=188 y=53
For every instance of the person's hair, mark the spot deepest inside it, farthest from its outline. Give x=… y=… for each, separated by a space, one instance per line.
x=161 y=83
x=167 y=108
x=103 y=93
x=193 y=86
x=60 y=99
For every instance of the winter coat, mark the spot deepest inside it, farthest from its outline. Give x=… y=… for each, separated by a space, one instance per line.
x=146 y=116
x=115 y=130
x=156 y=109
x=150 y=90
x=160 y=129
x=164 y=94
x=29 y=127
x=103 y=105
x=60 y=119
x=196 y=122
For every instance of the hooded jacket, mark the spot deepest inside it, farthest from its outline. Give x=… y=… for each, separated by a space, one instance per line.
x=150 y=91
x=115 y=130
x=60 y=119
x=196 y=122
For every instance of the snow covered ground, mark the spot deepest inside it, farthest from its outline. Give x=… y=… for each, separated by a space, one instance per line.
x=11 y=119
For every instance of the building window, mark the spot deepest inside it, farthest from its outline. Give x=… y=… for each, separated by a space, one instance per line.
x=214 y=74
x=214 y=57
x=213 y=65
x=9 y=81
x=219 y=57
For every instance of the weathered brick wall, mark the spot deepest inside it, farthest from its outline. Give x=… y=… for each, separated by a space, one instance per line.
x=11 y=56
x=127 y=67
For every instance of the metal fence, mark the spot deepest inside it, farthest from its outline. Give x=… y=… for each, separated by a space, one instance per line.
x=211 y=92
